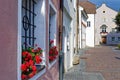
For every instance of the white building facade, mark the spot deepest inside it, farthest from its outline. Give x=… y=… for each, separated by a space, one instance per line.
x=90 y=37
x=90 y=9
x=104 y=23
x=82 y=28
x=69 y=24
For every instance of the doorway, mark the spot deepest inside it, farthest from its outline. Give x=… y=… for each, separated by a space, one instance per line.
x=103 y=40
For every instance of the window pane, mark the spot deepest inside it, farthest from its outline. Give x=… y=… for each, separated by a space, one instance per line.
x=28 y=26
x=118 y=38
x=113 y=38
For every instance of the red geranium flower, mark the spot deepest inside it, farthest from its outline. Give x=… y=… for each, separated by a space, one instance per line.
x=23 y=67
x=26 y=59
x=51 y=41
x=24 y=77
x=31 y=75
x=29 y=58
x=31 y=62
x=34 y=68
x=33 y=50
x=50 y=52
x=51 y=58
x=38 y=59
x=24 y=53
x=39 y=49
x=27 y=64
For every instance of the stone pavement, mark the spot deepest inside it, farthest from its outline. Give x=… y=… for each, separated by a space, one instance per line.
x=99 y=63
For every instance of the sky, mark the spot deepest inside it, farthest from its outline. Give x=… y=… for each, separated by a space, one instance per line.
x=114 y=4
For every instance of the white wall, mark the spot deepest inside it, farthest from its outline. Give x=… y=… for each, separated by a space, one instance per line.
x=83 y=37
x=82 y=27
x=103 y=18
x=66 y=37
x=69 y=23
x=90 y=31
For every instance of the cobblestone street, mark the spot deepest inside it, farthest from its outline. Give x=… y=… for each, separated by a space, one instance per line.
x=99 y=63
x=105 y=60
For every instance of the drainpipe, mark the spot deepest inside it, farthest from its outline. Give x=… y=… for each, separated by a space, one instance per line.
x=60 y=24
x=61 y=55
x=77 y=26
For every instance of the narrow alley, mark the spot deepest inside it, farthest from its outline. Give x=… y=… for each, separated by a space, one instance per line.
x=59 y=40
x=99 y=63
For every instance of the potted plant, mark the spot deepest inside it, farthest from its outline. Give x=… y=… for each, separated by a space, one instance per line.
x=30 y=57
x=53 y=52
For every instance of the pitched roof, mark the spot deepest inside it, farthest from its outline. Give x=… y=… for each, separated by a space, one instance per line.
x=89 y=7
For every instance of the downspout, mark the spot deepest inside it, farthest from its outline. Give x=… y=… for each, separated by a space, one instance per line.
x=60 y=24
x=61 y=54
x=77 y=26
x=94 y=30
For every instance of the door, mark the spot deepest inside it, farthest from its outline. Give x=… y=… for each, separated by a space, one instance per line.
x=103 y=39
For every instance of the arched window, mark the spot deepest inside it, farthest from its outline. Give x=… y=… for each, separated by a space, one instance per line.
x=103 y=28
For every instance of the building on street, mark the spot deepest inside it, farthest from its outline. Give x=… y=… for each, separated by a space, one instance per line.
x=104 y=23
x=90 y=9
x=82 y=27
x=27 y=29
x=68 y=31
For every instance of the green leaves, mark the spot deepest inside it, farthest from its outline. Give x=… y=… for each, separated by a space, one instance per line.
x=117 y=21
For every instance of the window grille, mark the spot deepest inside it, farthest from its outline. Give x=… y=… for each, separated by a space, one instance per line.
x=28 y=25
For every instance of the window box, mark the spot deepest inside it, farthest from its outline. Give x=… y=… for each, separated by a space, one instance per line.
x=31 y=60
x=53 y=52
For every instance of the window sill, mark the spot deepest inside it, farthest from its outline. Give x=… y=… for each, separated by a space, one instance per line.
x=52 y=63
x=40 y=73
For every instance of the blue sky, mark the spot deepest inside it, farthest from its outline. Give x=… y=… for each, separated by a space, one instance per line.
x=114 y=4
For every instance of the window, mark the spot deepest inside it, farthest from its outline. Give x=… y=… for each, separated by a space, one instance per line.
x=103 y=28
x=113 y=38
x=113 y=30
x=88 y=23
x=28 y=23
x=52 y=35
x=52 y=24
x=33 y=34
x=118 y=38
